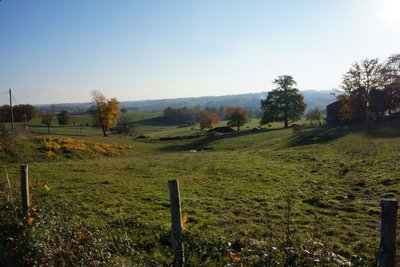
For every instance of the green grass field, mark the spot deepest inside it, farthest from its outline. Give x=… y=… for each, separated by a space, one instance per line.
x=239 y=194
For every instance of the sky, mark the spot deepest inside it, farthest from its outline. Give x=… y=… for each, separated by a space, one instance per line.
x=59 y=51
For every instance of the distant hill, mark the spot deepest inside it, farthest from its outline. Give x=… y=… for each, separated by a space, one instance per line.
x=248 y=101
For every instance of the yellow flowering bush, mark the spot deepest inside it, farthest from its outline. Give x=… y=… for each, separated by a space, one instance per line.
x=72 y=147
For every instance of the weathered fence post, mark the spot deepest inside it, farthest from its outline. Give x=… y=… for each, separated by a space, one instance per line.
x=387 y=247
x=24 y=189
x=176 y=222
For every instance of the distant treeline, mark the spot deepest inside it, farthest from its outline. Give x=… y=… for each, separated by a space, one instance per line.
x=191 y=116
x=73 y=109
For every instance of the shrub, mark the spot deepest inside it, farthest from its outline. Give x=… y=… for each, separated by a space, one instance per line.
x=8 y=145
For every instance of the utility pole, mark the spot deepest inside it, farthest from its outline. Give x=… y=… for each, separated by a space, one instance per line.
x=12 y=113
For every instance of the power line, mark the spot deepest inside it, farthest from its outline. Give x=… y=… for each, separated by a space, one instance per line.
x=14 y=99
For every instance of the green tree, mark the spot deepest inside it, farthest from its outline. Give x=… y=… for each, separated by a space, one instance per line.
x=48 y=120
x=107 y=111
x=208 y=119
x=21 y=113
x=236 y=117
x=314 y=114
x=285 y=103
x=64 y=117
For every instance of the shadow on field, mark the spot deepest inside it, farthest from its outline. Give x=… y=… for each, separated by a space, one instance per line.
x=158 y=121
x=66 y=134
x=208 y=138
x=373 y=129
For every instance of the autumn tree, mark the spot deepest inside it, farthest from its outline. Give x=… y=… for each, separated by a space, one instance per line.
x=107 y=111
x=208 y=119
x=48 y=120
x=285 y=103
x=361 y=84
x=63 y=117
x=236 y=117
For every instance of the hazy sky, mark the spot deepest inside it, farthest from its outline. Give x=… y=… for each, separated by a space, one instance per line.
x=58 y=51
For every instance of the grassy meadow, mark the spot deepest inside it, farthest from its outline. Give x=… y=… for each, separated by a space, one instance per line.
x=254 y=197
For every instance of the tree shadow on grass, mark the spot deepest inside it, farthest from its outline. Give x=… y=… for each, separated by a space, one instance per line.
x=373 y=129
x=204 y=142
x=67 y=134
x=158 y=121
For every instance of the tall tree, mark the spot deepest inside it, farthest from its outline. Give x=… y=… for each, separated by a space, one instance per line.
x=236 y=117
x=365 y=74
x=63 y=117
x=107 y=111
x=358 y=82
x=208 y=119
x=284 y=103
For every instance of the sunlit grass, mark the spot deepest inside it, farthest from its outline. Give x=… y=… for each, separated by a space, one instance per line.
x=236 y=189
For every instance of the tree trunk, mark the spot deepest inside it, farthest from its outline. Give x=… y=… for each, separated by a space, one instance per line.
x=104 y=131
x=48 y=129
x=238 y=127
x=285 y=117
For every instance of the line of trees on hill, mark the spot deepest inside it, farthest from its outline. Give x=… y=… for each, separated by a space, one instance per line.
x=182 y=115
x=285 y=103
x=370 y=89
x=207 y=118
x=56 y=108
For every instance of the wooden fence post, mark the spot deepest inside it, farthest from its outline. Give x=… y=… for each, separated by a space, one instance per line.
x=176 y=223
x=24 y=189
x=387 y=247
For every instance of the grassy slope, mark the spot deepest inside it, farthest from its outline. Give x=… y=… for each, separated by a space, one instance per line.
x=238 y=188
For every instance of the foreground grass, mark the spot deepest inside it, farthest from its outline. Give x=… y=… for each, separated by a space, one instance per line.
x=245 y=190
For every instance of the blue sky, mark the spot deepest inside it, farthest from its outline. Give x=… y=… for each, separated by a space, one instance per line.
x=58 y=51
